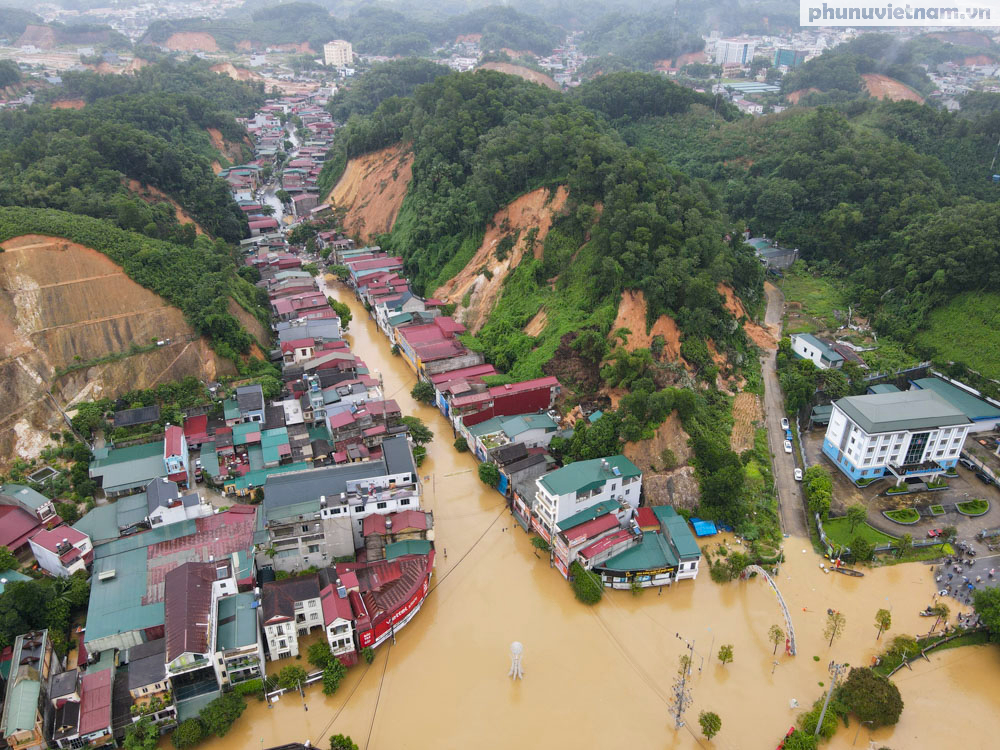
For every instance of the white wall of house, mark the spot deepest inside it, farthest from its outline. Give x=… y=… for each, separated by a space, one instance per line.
x=282 y=640
x=809 y=351
x=49 y=561
x=340 y=636
x=556 y=508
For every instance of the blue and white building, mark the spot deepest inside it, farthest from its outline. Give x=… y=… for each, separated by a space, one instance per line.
x=907 y=435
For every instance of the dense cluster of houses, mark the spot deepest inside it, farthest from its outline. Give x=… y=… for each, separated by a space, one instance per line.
x=588 y=510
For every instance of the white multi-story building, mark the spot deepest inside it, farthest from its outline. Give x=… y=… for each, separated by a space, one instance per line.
x=290 y=608
x=62 y=551
x=338 y=618
x=338 y=53
x=734 y=51
x=581 y=485
x=910 y=434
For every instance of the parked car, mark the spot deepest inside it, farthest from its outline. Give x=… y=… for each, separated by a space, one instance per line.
x=784 y=423
x=798 y=475
x=984 y=478
x=934 y=533
x=788 y=446
x=967 y=464
x=788 y=434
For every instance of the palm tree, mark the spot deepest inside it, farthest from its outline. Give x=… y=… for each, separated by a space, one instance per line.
x=883 y=619
x=856 y=514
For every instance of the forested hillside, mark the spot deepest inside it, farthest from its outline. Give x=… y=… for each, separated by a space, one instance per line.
x=150 y=127
x=631 y=222
x=894 y=199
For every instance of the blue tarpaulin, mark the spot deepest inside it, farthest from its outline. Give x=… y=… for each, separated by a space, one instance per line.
x=703 y=528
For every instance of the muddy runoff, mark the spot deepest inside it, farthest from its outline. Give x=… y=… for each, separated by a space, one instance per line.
x=602 y=676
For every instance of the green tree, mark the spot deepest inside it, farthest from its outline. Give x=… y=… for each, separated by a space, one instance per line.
x=291 y=677
x=333 y=674
x=940 y=612
x=986 y=603
x=871 y=697
x=862 y=549
x=342 y=742
x=799 y=740
x=835 y=623
x=188 y=734
x=342 y=310
x=419 y=432
x=368 y=654
x=423 y=392
x=461 y=444
x=710 y=723
x=489 y=474
x=219 y=715
x=883 y=621
x=311 y=268
x=341 y=272
x=856 y=513
x=319 y=654
x=142 y=735
x=725 y=654
x=586 y=585
x=775 y=635
x=904 y=545
x=818 y=486
x=8 y=561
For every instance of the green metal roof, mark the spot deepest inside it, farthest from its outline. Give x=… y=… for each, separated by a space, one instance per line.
x=132 y=467
x=100 y=524
x=290 y=511
x=906 y=410
x=884 y=388
x=514 y=426
x=582 y=476
x=147 y=538
x=271 y=442
x=972 y=407
x=397 y=320
x=257 y=478
x=319 y=432
x=210 y=459
x=24 y=495
x=242 y=432
x=12 y=576
x=116 y=603
x=679 y=532
x=594 y=511
x=132 y=509
x=23 y=691
x=650 y=554
x=106 y=661
x=237 y=622
x=230 y=409
x=190 y=709
x=407 y=547
x=825 y=349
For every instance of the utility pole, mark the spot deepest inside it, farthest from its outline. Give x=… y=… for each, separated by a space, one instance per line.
x=680 y=700
x=835 y=671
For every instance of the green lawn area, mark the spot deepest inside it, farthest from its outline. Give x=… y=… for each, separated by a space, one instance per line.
x=967 y=330
x=973 y=507
x=937 y=510
x=818 y=295
x=838 y=531
x=903 y=515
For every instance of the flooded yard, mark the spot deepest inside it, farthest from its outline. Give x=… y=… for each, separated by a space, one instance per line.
x=602 y=676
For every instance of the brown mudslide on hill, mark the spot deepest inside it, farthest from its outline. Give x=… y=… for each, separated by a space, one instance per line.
x=372 y=189
x=63 y=303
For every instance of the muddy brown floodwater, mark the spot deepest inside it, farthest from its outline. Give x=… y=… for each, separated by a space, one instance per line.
x=601 y=676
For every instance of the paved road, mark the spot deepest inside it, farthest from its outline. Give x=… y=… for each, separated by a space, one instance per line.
x=790 y=501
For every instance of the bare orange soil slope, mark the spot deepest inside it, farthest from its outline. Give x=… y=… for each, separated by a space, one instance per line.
x=62 y=304
x=152 y=194
x=522 y=72
x=372 y=189
x=533 y=210
x=632 y=312
x=237 y=74
x=884 y=87
x=192 y=41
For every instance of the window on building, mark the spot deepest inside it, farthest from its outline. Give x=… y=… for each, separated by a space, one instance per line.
x=282 y=643
x=305 y=528
x=312 y=548
x=381 y=506
x=915 y=451
x=405 y=501
x=314 y=616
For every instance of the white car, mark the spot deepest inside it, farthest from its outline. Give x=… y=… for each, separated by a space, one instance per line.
x=788 y=446
x=784 y=423
x=798 y=475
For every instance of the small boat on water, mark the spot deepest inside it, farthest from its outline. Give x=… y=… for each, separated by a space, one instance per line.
x=848 y=572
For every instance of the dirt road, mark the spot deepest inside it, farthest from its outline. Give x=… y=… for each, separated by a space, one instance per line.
x=790 y=500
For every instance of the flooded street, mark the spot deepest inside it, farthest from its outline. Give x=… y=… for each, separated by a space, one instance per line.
x=601 y=676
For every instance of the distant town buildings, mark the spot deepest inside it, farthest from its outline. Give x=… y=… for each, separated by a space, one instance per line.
x=738 y=51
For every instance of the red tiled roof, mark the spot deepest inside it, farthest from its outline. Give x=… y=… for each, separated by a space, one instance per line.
x=187 y=604
x=407 y=576
x=402 y=521
x=16 y=526
x=50 y=539
x=475 y=371
x=449 y=325
x=334 y=607
x=590 y=529
x=95 y=702
x=647 y=520
x=602 y=544
x=474 y=398
x=263 y=223
x=381 y=263
x=196 y=426
x=439 y=350
x=376 y=430
x=287 y=346
x=172 y=441
x=341 y=419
